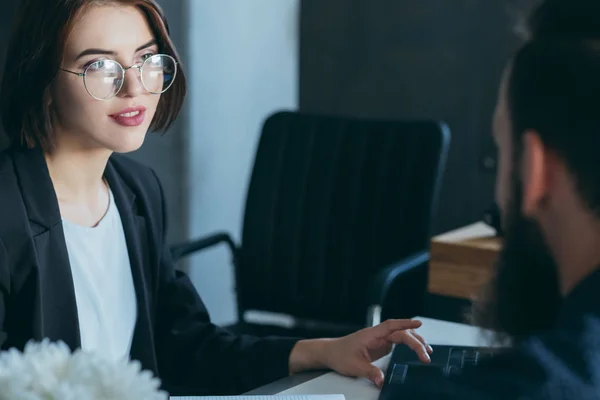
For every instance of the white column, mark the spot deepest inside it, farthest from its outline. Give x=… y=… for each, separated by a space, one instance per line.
x=242 y=66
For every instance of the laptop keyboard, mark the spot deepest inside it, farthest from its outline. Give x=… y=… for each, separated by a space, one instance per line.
x=458 y=358
x=462 y=357
x=401 y=372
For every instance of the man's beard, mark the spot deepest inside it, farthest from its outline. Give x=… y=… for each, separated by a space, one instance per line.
x=523 y=296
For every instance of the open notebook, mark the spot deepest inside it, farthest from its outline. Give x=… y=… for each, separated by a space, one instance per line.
x=274 y=397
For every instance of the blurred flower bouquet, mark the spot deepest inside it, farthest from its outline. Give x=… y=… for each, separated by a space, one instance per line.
x=49 y=371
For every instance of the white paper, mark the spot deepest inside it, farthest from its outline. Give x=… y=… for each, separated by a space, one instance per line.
x=473 y=231
x=273 y=397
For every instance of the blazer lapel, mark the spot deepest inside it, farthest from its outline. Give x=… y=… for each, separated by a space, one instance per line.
x=55 y=309
x=134 y=226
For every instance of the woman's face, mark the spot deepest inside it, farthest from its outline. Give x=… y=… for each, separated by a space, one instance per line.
x=119 y=124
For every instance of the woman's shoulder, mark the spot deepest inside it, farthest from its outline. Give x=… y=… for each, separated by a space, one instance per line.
x=8 y=179
x=130 y=168
x=14 y=226
x=143 y=183
x=6 y=156
x=138 y=177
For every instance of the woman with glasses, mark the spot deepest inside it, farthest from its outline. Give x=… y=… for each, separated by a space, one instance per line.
x=82 y=254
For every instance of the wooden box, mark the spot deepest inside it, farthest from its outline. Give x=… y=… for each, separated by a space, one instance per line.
x=462 y=260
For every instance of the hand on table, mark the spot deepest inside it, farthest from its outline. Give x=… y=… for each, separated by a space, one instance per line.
x=353 y=355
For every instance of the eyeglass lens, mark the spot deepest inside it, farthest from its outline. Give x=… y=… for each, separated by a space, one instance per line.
x=104 y=78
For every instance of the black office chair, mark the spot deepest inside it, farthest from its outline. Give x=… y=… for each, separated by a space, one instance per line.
x=337 y=222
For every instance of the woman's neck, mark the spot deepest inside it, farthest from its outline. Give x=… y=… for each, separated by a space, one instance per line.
x=77 y=174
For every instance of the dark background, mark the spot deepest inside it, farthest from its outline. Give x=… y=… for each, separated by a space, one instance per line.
x=439 y=59
x=7 y=12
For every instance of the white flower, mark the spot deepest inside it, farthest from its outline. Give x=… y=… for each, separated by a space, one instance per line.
x=49 y=371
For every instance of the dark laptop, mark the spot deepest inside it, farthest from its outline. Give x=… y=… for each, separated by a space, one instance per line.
x=405 y=366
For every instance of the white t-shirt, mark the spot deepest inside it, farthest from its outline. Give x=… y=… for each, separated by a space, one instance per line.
x=104 y=290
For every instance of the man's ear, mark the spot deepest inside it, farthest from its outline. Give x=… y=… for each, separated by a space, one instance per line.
x=538 y=171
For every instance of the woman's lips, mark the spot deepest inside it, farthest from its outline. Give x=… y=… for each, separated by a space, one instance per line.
x=130 y=117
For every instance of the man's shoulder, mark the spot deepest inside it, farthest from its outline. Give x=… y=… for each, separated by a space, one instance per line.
x=560 y=364
x=572 y=348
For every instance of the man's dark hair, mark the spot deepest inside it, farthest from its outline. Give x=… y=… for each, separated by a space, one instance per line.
x=554 y=88
x=562 y=19
x=34 y=57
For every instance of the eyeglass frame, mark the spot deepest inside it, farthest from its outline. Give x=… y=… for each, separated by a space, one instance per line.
x=139 y=68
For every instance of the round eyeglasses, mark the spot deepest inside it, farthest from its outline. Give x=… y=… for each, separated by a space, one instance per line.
x=103 y=79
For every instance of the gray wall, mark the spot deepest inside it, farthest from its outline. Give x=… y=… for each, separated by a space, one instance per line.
x=244 y=58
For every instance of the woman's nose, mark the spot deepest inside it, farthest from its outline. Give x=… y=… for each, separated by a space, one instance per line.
x=132 y=84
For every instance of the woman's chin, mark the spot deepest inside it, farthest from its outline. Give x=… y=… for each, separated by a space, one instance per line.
x=128 y=142
x=127 y=146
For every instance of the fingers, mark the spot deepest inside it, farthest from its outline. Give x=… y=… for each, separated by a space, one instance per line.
x=392 y=325
x=422 y=340
x=372 y=373
x=418 y=346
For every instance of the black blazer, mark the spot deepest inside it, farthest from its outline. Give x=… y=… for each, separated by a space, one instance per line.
x=173 y=336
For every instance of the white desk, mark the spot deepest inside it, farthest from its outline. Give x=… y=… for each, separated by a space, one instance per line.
x=434 y=331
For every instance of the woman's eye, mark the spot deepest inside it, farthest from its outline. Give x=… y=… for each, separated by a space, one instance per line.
x=147 y=56
x=96 y=65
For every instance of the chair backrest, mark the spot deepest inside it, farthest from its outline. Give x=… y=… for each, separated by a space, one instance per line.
x=332 y=201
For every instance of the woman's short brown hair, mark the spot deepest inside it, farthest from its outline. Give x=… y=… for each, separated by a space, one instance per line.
x=35 y=55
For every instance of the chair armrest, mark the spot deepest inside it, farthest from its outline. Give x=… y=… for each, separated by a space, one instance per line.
x=386 y=278
x=181 y=250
